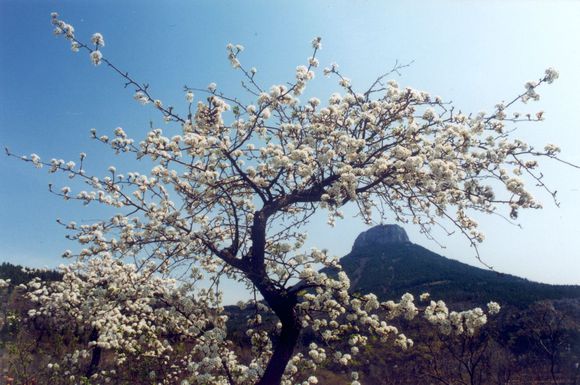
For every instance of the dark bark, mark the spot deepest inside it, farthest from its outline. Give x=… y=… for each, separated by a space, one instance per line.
x=280 y=300
x=96 y=357
x=283 y=303
x=282 y=353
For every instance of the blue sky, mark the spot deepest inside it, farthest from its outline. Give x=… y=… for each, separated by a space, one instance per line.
x=474 y=53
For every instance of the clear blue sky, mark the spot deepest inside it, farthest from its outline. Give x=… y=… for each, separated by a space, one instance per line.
x=474 y=53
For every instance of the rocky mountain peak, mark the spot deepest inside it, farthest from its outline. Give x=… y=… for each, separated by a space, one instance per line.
x=381 y=235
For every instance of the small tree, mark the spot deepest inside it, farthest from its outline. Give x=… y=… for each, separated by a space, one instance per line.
x=231 y=192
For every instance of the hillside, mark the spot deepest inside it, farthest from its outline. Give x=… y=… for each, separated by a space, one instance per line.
x=385 y=262
x=18 y=274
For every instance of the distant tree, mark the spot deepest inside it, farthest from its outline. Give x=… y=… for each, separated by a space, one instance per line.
x=468 y=359
x=17 y=274
x=551 y=337
x=229 y=196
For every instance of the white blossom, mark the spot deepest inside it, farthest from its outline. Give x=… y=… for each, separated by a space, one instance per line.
x=189 y=96
x=96 y=57
x=97 y=39
x=551 y=75
x=493 y=307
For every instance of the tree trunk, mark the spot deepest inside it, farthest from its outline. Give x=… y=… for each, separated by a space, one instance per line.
x=283 y=303
x=96 y=357
x=282 y=353
x=280 y=300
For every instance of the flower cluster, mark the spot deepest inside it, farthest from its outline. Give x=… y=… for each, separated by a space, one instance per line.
x=465 y=322
x=67 y=30
x=493 y=307
x=4 y=283
x=134 y=315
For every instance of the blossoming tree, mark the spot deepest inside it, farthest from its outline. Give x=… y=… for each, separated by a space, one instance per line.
x=229 y=196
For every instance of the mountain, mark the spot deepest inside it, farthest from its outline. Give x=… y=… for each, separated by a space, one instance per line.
x=384 y=261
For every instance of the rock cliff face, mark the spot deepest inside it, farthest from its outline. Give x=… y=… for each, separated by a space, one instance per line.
x=381 y=235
